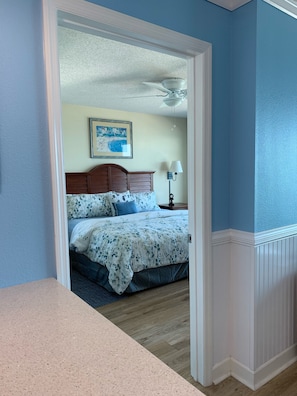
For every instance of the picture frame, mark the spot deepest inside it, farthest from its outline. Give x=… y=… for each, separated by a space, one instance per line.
x=110 y=138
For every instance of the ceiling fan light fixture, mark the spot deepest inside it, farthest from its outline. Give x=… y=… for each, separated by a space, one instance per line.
x=172 y=101
x=174 y=84
x=173 y=89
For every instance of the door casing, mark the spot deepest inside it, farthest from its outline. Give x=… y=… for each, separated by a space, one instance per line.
x=107 y=23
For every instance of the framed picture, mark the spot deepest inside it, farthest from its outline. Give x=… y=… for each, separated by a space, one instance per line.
x=111 y=138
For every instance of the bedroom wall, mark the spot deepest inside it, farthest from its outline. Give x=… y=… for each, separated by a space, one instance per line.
x=242 y=142
x=263 y=159
x=27 y=232
x=156 y=142
x=27 y=236
x=276 y=119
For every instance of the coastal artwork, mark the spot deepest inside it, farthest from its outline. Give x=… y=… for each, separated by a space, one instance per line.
x=110 y=138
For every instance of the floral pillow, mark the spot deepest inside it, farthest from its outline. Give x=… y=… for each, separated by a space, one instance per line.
x=145 y=201
x=88 y=205
x=115 y=197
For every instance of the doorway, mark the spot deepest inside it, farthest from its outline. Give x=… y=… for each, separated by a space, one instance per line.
x=111 y=24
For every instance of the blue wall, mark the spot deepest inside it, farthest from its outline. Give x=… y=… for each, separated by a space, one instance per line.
x=276 y=120
x=254 y=175
x=26 y=235
x=263 y=139
x=242 y=139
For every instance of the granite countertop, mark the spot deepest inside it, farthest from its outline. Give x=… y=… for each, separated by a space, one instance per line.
x=53 y=343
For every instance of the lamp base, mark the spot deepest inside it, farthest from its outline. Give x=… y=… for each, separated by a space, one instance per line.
x=171 y=197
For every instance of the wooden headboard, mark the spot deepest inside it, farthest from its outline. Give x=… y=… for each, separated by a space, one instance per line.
x=108 y=177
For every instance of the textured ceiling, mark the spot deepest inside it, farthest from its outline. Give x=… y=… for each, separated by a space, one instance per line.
x=99 y=72
x=230 y=5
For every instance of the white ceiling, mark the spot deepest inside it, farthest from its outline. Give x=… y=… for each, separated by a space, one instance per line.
x=287 y=6
x=230 y=5
x=99 y=72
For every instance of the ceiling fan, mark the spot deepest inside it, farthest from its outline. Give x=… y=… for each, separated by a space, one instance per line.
x=173 y=88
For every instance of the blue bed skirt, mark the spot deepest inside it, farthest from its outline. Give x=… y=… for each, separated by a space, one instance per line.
x=142 y=280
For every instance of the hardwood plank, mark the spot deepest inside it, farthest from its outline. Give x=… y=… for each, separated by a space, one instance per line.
x=159 y=320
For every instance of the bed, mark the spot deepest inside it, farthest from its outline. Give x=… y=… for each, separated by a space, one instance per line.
x=118 y=236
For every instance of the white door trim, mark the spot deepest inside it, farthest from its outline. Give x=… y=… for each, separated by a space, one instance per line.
x=199 y=199
x=108 y=23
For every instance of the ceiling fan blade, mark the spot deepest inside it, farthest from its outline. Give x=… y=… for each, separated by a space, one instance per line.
x=157 y=86
x=144 y=96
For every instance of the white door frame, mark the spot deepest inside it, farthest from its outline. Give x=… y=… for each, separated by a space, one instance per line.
x=107 y=23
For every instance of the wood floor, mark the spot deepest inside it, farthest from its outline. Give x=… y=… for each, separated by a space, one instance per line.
x=159 y=320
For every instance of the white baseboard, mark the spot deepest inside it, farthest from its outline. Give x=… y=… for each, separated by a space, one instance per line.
x=242 y=374
x=275 y=366
x=254 y=380
x=221 y=371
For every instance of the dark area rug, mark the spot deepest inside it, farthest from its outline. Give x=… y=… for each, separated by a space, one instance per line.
x=90 y=292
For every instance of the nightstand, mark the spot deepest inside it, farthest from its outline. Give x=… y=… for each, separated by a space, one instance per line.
x=177 y=206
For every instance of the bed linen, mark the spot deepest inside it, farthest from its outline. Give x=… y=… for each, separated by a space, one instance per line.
x=133 y=243
x=143 y=280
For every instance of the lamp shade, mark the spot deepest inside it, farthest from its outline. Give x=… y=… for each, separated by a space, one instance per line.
x=176 y=167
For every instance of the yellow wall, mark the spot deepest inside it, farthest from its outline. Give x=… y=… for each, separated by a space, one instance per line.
x=156 y=142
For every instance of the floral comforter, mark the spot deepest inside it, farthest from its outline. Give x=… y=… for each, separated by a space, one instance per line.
x=134 y=242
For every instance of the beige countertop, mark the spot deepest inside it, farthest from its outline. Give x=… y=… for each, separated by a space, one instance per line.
x=52 y=343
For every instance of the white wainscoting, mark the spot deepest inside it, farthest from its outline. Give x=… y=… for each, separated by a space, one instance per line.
x=255 y=299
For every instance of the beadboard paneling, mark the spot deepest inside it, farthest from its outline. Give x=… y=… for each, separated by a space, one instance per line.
x=255 y=299
x=275 y=296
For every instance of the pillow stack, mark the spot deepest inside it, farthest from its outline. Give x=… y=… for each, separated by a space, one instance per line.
x=109 y=204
